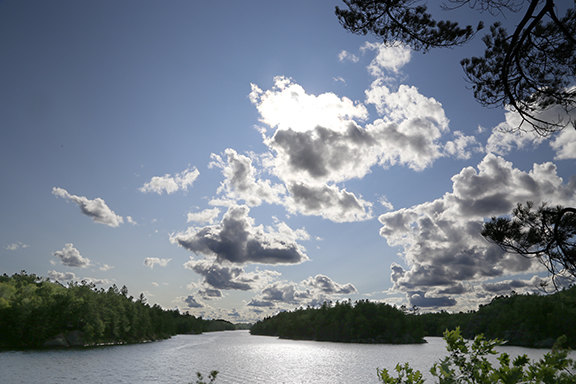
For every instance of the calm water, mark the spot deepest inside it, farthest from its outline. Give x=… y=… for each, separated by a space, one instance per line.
x=240 y=358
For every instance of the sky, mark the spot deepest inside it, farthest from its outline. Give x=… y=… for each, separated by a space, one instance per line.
x=235 y=159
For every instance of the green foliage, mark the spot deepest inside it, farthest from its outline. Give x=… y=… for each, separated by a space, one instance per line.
x=34 y=310
x=525 y=320
x=361 y=322
x=211 y=377
x=406 y=375
x=467 y=363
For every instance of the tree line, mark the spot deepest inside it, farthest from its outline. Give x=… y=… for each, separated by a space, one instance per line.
x=531 y=320
x=361 y=322
x=34 y=311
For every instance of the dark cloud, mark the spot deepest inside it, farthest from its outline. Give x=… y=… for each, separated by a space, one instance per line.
x=260 y=303
x=221 y=277
x=96 y=209
x=192 y=303
x=70 y=257
x=506 y=286
x=237 y=240
x=210 y=294
x=419 y=299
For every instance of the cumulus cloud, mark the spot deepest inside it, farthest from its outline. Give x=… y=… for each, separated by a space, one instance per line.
x=238 y=240
x=565 y=144
x=227 y=276
x=150 y=261
x=326 y=285
x=288 y=106
x=171 y=184
x=240 y=180
x=205 y=216
x=70 y=257
x=441 y=239
x=311 y=291
x=220 y=276
x=390 y=58
x=96 y=209
x=61 y=276
x=318 y=143
x=192 y=303
x=327 y=201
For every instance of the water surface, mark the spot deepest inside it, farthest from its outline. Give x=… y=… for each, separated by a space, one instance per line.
x=239 y=356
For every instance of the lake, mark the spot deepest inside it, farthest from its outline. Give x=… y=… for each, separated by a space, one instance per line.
x=239 y=356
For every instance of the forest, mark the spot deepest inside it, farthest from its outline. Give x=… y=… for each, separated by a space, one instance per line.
x=35 y=312
x=531 y=320
x=360 y=322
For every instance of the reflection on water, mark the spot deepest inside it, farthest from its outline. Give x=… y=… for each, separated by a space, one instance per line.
x=240 y=358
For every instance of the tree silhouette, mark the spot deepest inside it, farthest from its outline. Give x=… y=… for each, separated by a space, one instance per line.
x=548 y=234
x=531 y=71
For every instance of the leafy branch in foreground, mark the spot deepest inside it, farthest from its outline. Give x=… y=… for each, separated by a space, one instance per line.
x=211 y=377
x=467 y=363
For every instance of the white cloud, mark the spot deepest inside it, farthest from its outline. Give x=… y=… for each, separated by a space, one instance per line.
x=150 y=261
x=344 y=55
x=96 y=281
x=130 y=220
x=311 y=291
x=441 y=239
x=240 y=180
x=15 y=246
x=288 y=106
x=318 y=142
x=171 y=184
x=236 y=239
x=328 y=286
x=96 y=209
x=70 y=257
x=205 y=216
x=389 y=57
x=565 y=144
x=61 y=276
x=105 y=267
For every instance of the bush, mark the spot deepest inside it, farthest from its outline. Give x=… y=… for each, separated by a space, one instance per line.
x=467 y=364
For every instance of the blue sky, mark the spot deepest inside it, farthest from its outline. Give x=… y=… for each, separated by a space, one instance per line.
x=235 y=159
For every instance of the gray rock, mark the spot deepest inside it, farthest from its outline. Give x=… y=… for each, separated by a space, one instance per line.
x=57 y=341
x=75 y=338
